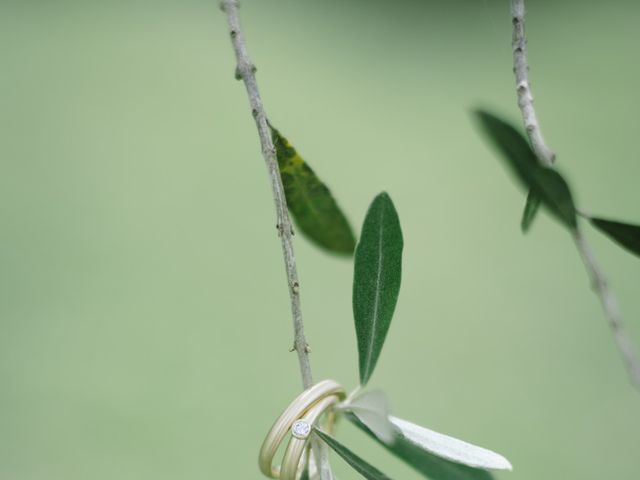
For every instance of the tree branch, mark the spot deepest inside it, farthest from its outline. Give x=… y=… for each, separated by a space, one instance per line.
x=245 y=71
x=610 y=305
x=523 y=87
x=547 y=157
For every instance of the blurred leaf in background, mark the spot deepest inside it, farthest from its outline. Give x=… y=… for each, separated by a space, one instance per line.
x=625 y=234
x=545 y=183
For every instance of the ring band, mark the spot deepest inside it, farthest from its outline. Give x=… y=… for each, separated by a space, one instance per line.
x=297 y=445
x=295 y=411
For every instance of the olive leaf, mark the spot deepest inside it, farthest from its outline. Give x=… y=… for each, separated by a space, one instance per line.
x=530 y=210
x=310 y=201
x=376 y=280
x=624 y=234
x=358 y=464
x=546 y=183
x=451 y=448
x=410 y=446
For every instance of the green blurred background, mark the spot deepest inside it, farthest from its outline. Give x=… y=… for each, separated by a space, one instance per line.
x=144 y=319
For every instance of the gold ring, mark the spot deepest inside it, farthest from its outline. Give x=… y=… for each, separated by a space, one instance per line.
x=291 y=465
x=298 y=418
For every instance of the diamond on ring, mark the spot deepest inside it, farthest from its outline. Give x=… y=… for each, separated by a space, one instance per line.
x=301 y=429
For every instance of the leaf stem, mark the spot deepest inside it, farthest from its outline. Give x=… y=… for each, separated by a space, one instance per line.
x=547 y=157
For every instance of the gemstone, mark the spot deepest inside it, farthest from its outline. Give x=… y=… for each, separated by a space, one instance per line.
x=300 y=429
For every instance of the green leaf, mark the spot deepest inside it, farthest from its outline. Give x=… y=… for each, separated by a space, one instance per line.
x=429 y=465
x=624 y=234
x=312 y=206
x=546 y=183
x=450 y=448
x=357 y=463
x=530 y=211
x=376 y=280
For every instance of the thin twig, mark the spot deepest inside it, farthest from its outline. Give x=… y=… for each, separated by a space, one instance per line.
x=245 y=71
x=547 y=157
x=611 y=308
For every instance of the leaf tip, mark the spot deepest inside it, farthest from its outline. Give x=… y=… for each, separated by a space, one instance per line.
x=383 y=196
x=501 y=463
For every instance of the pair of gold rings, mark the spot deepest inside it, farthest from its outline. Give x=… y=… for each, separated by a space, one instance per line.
x=299 y=418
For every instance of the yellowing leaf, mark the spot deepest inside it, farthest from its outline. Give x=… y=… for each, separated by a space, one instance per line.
x=315 y=211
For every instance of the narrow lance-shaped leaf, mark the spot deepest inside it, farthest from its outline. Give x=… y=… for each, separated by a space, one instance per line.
x=546 y=183
x=451 y=448
x=312 y=206
x=530 y=210
x=376 y=280
x=625 y=234
x=426 y=463
x=358 y=464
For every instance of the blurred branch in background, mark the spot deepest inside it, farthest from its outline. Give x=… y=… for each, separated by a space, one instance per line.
x=547 y=157
x=245 y=71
